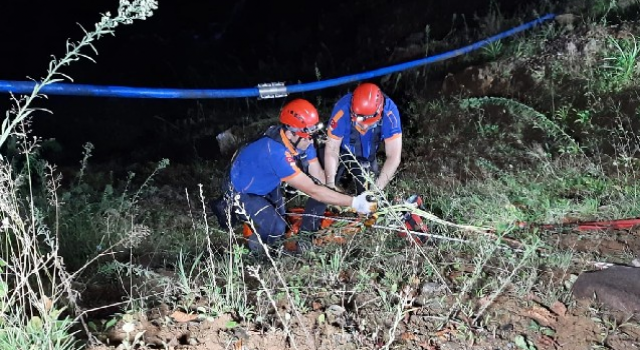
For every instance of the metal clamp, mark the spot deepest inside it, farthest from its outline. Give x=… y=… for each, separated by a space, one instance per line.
x=272 y=90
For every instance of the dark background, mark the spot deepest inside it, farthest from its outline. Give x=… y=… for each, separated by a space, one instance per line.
x=203 y=44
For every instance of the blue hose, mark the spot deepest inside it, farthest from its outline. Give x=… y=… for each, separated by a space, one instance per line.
x=262 y=91
x=26 y=87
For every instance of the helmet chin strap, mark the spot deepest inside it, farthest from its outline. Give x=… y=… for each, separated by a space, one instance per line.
x=294 y=144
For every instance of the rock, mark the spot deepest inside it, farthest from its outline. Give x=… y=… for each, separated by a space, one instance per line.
x=428 y=292
x=617 y=287
x=624 y=4
x=432 y=288
x=334 y=315
x=228 y=142
x=336 y=310
x=235 y=137
x=567 y=20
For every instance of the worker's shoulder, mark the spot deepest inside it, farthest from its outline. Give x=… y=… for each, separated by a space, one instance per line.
x=389 y=103
x=344 y=102
x=263 y=147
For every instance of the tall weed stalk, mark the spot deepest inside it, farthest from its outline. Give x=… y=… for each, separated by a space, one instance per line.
x=35 y=287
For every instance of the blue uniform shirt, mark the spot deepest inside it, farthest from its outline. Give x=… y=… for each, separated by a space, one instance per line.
x=261 y=166
x=340 y=125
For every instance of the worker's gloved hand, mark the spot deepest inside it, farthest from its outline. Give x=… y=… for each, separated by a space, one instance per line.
x=365 y=203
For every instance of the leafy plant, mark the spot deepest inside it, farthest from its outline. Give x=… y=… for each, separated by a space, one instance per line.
x=518 y=109
x=523 y=343
x=621 y=64
x=492 y=50
x=35 y=283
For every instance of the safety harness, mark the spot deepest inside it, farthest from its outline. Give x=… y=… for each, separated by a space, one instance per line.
x=355 y=140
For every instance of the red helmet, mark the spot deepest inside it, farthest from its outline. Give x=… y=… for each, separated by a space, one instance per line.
x=367 y=103
x=300 y=117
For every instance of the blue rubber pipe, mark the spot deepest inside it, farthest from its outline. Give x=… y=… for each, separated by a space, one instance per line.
x=26 y=87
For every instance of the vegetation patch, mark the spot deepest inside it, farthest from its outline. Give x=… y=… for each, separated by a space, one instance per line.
x=523 y=143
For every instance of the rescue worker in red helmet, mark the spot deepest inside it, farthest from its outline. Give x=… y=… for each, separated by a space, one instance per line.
x=359 y=123
x=285 y=153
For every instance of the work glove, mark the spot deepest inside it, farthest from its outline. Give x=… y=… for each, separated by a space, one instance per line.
x=365 y=203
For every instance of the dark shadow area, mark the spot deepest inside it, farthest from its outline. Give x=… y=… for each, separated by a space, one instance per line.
x=209 y=45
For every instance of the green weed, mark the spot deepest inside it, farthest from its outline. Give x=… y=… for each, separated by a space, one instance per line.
x=35 y=284
x=621 y=63
x=493 y=50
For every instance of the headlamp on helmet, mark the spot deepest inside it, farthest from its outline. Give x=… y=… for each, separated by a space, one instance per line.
x=307 y=132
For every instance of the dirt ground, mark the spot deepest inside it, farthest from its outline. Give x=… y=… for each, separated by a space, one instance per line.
x=511 y=322
x=564 y=323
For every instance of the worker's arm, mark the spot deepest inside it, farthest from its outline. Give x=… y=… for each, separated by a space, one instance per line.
x=393 y=151
x=303 y=183
x=331 y=159
x=315 y=170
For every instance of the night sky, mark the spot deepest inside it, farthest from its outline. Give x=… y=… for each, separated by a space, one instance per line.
x=201 y=44
x=195 y=43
